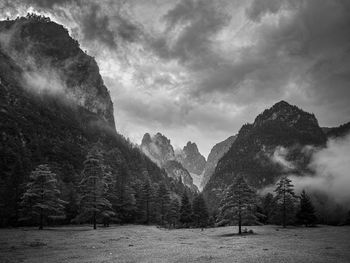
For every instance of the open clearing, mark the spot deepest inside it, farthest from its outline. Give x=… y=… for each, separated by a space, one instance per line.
x=134 y=243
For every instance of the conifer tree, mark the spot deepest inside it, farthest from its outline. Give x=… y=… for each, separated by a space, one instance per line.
x=163 y=201
x=93 y=188
x=122 y=196
x=285 y=197
x=185 y=210
x=174 y=213
x=41 y=199
x=147 y=198
x=238 y=202
x=200 y=211
x=306 y=214
x=268 y=205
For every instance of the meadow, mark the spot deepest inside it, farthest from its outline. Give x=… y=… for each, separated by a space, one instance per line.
x=136 y=243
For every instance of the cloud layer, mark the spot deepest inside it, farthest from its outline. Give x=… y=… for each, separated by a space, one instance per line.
x=197 y=70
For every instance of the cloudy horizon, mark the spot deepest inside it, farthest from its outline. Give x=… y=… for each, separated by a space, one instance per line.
x=198 y=70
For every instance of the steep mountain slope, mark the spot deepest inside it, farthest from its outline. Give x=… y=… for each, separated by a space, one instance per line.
x=53 y=108
x=214 y=156
x=191 y=158
x=339 y=131
x=193 y=161
x=264 y=150
x=159 y=149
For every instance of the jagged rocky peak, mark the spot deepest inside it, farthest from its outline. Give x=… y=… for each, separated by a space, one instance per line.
x=146 y=139
x=191 y=158
x=158 y=148
x=52 y=62
x=289 y=114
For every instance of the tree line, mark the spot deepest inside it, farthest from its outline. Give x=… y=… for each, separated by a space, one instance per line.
x=105 y=197
x=241 y=205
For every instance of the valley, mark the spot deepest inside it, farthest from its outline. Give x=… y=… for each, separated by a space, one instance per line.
x=135 y=243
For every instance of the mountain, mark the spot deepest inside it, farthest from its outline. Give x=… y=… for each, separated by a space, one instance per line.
x=270 y=147
x=54 y=107
x=339 y=131
x=214 y=156
x=192 y=160
x=159 y=149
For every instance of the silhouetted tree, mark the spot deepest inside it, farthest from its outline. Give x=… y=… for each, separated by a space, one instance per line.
x=41 y=199
x=238 y=202
x=285 y=198
x=306 y=213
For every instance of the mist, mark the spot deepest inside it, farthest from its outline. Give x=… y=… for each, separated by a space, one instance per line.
x=328 y=181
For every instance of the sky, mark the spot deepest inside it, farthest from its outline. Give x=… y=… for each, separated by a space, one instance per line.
x=198 y=70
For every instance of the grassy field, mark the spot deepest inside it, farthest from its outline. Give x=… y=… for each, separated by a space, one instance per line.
x=151 y=244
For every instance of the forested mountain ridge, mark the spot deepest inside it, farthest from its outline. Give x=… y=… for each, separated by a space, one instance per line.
x=339 y=131
x=277 y=129
x=54 y=108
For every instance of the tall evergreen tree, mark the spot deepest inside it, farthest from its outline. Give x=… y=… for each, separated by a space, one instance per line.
x=285 y=197
x=147 y=198
x=185 y=210
x=200 y=211
x=238 y=202
x=306 y=213
x=93 y=188
x=268 y=205
x=174 y=213
x=163 y=201
x=41 y=199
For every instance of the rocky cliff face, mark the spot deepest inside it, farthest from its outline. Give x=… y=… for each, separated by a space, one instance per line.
x=191 y=158
x=216 y=153
x=266 y=149
x=50 y=61
x=159 y=149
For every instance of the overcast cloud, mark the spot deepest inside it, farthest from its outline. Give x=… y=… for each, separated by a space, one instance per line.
x=198 y=70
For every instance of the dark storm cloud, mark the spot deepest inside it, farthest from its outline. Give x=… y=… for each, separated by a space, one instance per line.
x=100 y=21
x=308 y=44
x=190 y=26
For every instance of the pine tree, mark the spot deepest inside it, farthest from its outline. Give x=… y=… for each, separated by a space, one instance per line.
x=41 y=199
x=238 y=202
x=285 y=197
x=163 y=201
x=93 y=189
x=174 y=213
x=147 y=198
x=306 y=214
x=268 y=205
x=200 y=211
x=185 y=210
